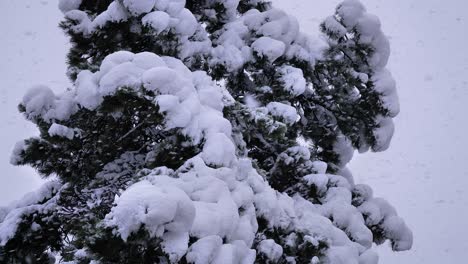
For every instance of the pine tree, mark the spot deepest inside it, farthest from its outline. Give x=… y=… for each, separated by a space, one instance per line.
x=206 y=131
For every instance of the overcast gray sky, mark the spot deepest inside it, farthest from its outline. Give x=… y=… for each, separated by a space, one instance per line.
x=423 y=174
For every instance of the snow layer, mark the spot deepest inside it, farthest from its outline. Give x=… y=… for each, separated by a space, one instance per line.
x=270 y=249
x=285 y=112
x=31 y=203
x=61 y=131
x=159 y=209
x=68 y=5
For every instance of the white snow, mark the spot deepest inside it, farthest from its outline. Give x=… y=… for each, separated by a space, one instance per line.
x=219 y=150
x=285 y=112
x=383 y=134
x=38 y=100
x=40 y=201
x=159 y=209
x=137 y=7
x=270 y=48
x=386 y=86
x=332 y=25
x=41 y=101
x=293 y=79
x=158 y=20
x=68 y=5
x=15 y=157
x=204 y=250
x=270 y=249
x=61 y=131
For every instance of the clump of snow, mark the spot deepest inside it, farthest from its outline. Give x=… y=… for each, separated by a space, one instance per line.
x=383 y=133
x=350 y=11
x=320 y=167
x=286 y=112
x=61 y=131
x=379 y=213
x=370 y=33
x=343 y=146
x=270 y=249
x=137 y=7
x=204 y=250
x=334 y=27
x=214 y=152
x=159 y=209
x=68 y=5
x=15 y=158
x=269 y=48
x=386 y=86
x=158 y=20
x=293 y=79
x=40 y=101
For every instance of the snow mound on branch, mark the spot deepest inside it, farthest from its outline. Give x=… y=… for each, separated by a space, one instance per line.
x=61 y=131
x=68 y=5
x=383 y=133
x=386 y=86
x=380 y=214
x=270 y=249
x=40 y=101
x=286 y=112
x=159 y=209
x=37 y=202
x=137 y=7
x=269 y=48
x=293 y=79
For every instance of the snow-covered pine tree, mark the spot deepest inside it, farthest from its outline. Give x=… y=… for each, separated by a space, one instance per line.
x=207 y=131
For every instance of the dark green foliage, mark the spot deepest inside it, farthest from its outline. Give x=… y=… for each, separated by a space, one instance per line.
x=264 y=136
x=123 y=122
x=140 y=247
x=289 y=169
x=94 y=6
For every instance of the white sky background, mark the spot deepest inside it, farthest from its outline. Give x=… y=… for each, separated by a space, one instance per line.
x=423 y=174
